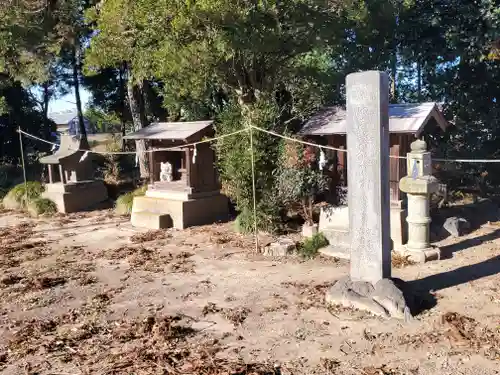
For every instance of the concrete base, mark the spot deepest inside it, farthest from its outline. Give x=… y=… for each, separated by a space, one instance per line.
x=152 y=211
x=421 y=256
x=151 y=220
x=76 y=196
x=334 y=224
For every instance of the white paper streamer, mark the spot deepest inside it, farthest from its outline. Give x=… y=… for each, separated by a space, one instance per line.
x=322 y=160
x=194 y=154
x=136 y=159
x=84 y=156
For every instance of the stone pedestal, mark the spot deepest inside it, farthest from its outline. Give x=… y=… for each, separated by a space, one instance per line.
x=399 y=227
x=160 y=210
x=76 y=196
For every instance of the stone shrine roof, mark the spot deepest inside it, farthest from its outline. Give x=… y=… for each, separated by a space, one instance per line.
x=170 y=130
x=68 y=147
x=403 y=118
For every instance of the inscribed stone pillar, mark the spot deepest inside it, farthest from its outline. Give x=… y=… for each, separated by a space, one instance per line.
x=368 y=175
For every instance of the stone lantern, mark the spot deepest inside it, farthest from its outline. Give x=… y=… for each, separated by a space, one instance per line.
x=419 y=184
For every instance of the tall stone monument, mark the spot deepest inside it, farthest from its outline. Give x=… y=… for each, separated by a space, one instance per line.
x=369 y=285
x=368 y=175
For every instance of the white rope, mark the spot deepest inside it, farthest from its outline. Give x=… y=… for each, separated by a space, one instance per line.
x=298 y=140
x=467 y=160
x=134 y=152
x=245 y=130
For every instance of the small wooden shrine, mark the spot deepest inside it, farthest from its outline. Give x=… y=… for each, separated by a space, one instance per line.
x=329 y=127
x=406 y=123
x=71 y=185
x=184 y=188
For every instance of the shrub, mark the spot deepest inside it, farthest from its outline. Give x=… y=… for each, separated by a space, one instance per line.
x=310 y=246
x=20 y=195
x=123 y=205
x=235 y=167
x=41 y=206
x=299 y=179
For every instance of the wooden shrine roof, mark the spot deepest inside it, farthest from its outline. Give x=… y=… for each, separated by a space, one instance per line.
x=408 y=118
x=171 y=130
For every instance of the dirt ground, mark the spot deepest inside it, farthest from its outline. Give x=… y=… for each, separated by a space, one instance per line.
x=88 y=294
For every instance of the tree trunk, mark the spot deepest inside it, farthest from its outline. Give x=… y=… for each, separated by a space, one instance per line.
x=45 y=107
x=137 y=112
x=76 y=83
x=144 y=90
x=122 y=104
x=419 y=80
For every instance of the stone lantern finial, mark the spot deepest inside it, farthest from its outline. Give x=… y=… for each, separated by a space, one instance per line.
x=419 y=146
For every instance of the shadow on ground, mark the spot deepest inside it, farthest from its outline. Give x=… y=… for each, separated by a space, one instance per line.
x=447 y=251
x=419 y=293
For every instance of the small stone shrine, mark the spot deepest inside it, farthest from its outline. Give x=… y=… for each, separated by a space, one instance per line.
x=71 y=184
x=184 y=188
x=369 y=285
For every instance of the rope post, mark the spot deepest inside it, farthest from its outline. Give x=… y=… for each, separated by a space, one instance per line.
x=253 y=192
x=24 y=168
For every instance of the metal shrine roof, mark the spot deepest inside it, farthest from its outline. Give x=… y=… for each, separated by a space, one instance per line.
x=170 y=130
x=403 y=118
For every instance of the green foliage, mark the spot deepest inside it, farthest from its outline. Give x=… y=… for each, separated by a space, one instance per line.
x=19 y=110
x=310 y=246
x=20 y=195
x=123 y=205
x=116 y=166
x=299 y=179
x=41 y=206
x=104 y=122
x=3 y=106
x=235 y=166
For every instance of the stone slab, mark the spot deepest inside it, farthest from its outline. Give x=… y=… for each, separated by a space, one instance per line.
x=422 y=256
x=282 y=247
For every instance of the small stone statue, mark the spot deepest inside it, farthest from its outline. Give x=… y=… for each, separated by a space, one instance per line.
x=166 y=172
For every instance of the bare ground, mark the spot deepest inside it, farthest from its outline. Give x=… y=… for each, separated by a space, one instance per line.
x=87 y=294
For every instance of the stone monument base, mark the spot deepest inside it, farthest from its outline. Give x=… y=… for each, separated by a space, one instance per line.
x=421 y=256
x=76 y=196
x=161 y=210
x=382 y=299
x=334 y=224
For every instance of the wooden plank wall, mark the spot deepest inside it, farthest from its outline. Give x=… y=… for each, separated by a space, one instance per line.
x=399 y=146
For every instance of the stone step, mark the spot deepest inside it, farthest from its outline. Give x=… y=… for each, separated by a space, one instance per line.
x=337 y=237
x=336 y=252
x=157 y=205
x=339 y=243
x=151 y=220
